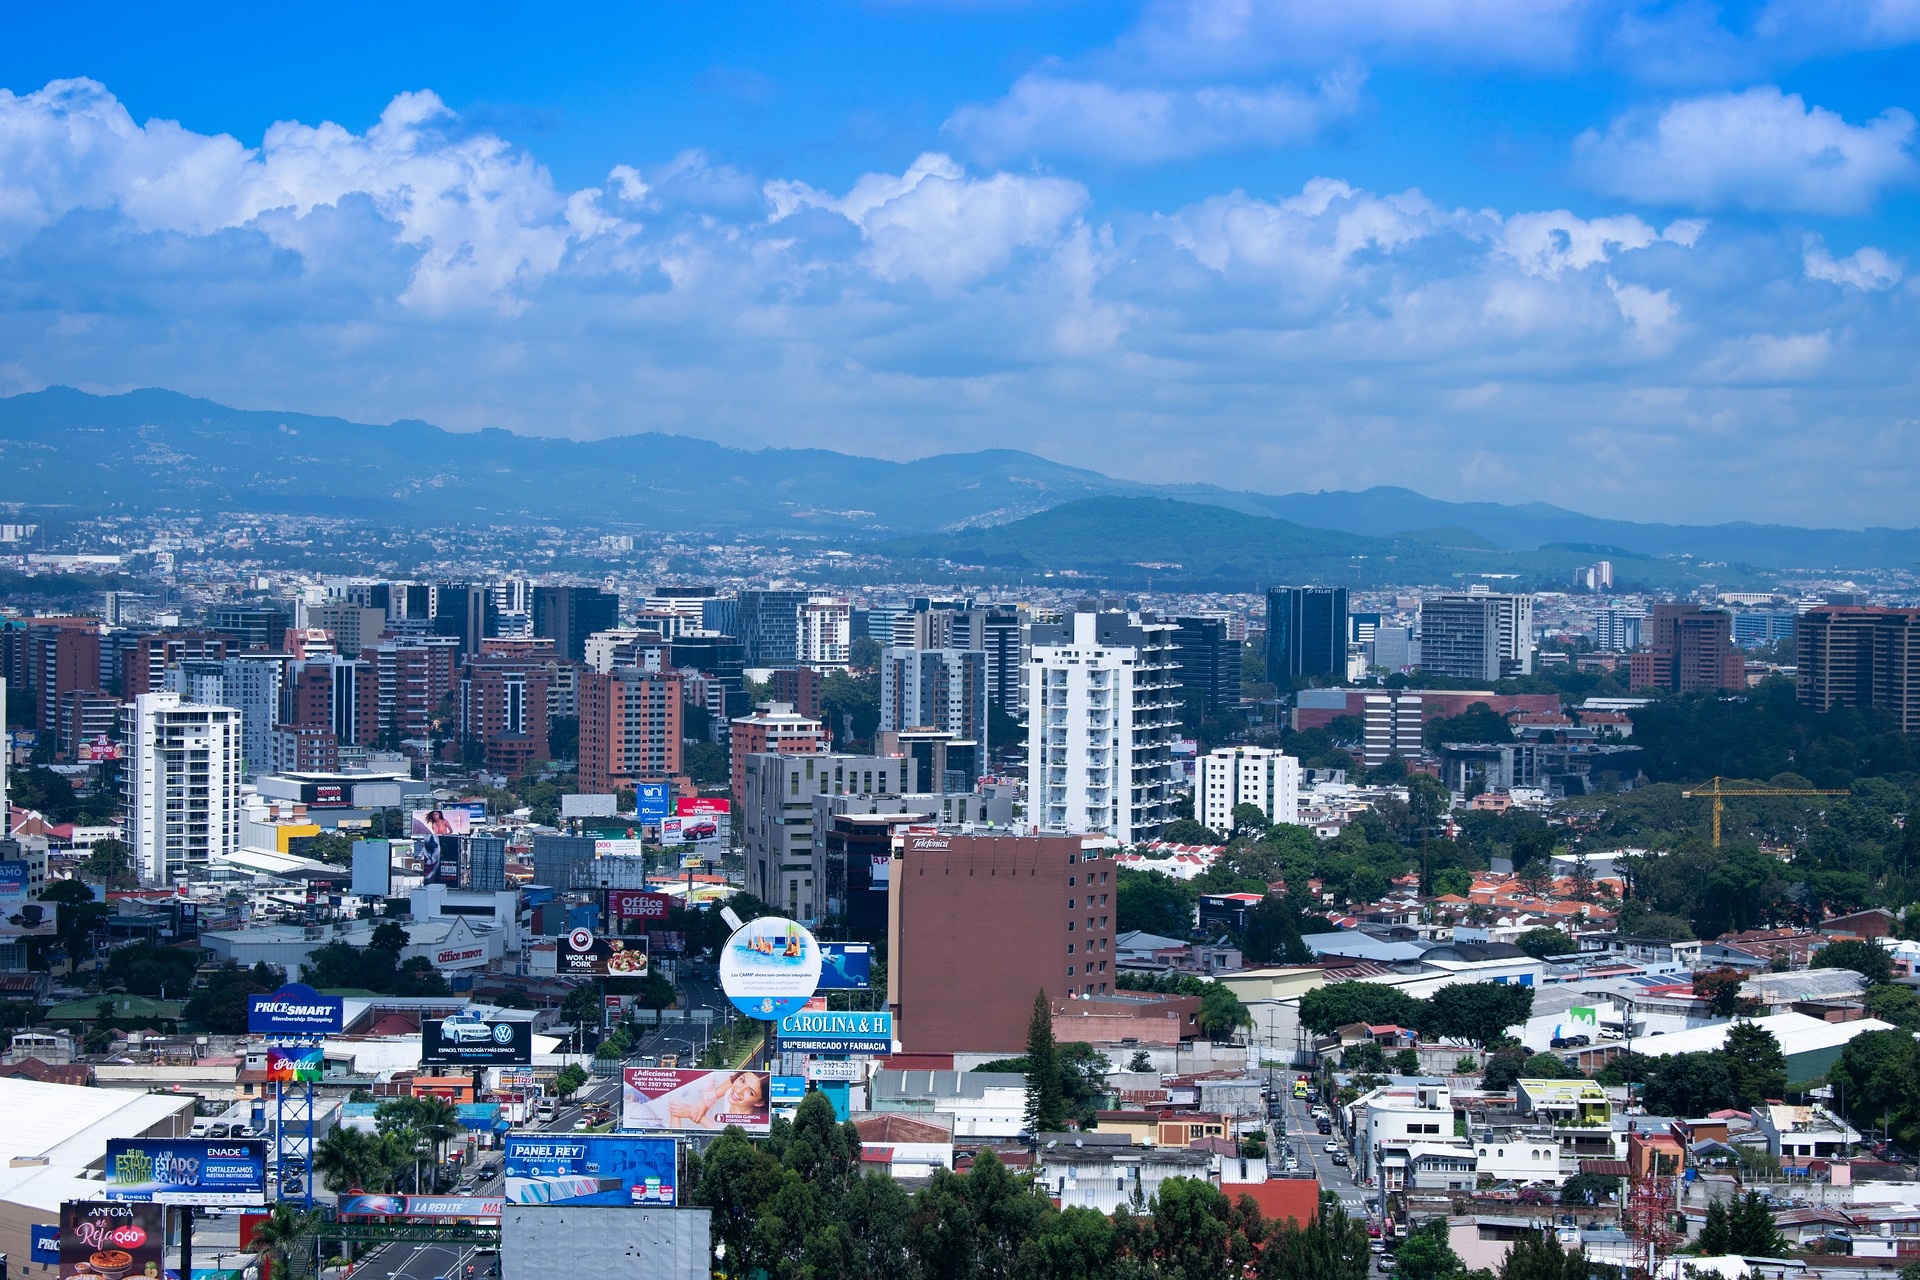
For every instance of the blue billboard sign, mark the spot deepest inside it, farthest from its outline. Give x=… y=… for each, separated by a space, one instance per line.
x=608 y=1169
x=845 y=966
x=46 y=1243
x=652 y=802
x=13 y=878
x=837 y=1031
x=295 y=1010
x=788 y=1091
x=188 y=1171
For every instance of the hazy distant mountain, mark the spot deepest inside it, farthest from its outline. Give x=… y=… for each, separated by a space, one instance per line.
x=153 y=450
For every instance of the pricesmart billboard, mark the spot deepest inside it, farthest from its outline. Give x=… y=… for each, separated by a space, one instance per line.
x=295 y=1010
x=606 y=1169
x=827 y=1031
x=195 y=1171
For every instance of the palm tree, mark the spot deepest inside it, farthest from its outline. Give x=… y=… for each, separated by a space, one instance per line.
x=287 y=1232
x=348 y=1158
x=436 y=1120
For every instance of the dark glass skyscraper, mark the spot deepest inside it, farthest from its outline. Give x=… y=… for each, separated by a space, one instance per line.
x=1306 y=633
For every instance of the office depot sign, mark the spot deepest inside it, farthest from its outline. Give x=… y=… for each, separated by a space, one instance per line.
x=633 y=904
x=462 y=957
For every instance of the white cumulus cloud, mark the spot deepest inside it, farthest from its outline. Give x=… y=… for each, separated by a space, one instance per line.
x=1761 y=149
x=1866 y=268
x=1046 y=114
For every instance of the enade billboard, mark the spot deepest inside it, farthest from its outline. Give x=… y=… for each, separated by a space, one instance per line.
x=604 y=1169
x=195 y=1171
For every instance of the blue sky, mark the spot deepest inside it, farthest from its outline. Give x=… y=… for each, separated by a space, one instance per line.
x=1648 y=260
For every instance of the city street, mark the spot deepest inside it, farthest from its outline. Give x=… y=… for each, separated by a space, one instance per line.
x=1309 y=1147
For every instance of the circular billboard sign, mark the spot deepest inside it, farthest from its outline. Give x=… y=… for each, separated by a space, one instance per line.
x=770 y=968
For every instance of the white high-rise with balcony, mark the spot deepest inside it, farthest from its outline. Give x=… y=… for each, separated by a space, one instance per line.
x=1103 y=711
x=180 y=784
x=1232 y=776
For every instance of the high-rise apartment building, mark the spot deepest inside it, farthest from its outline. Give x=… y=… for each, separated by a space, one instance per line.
x=568 y=615
x=339 y=695
x=1209 y=659
x=412 y=675
x=249 y=626
x=1103 y=708
x=630 y=729
x=87 y=719
x=1306 y=633
x=1027 y=913
x=769 y=626
x=777 y=820
x=255 y=686
x=1393 y=722
x=1687 y=649
x=773 y=727
x=180 y=785
x=1617 y=629
x=942 y=689
x=1477 y=635
x=1233 y=776
x=62 y=654
x=825 y=632
x=1861 y=656
x=465 y=612
x=503 y=711
x=798 y=686
x=354 y=627
x=143 y=666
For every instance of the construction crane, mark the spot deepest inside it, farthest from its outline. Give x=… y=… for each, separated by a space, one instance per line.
x=1718 y=791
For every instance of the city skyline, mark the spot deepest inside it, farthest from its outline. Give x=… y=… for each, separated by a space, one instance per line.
x=1625 y=259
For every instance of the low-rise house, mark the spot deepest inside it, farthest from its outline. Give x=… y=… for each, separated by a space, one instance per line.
x=1104 y=1176
x=983 y=1104
x=905 y=1146
x=1797 y=1135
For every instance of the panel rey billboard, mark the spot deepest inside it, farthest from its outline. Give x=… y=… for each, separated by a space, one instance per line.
x=598 y=1169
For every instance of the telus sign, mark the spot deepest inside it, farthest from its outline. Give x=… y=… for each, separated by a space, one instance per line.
x=295 y=1010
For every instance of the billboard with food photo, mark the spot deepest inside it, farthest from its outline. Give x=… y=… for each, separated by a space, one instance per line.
x=695 y=1101
x=112 y=1240
x=585 y=954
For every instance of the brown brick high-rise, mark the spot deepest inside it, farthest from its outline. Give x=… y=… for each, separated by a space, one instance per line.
x=978 y=923
x=1688 y=649
x=1858 y=656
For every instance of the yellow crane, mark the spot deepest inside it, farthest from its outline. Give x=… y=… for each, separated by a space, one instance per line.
x=1718 y=791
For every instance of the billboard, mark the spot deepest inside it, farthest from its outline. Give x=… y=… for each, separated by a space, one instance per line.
x=587 y=806
x=618 y=849
x=666 y=942
x=770 y=967
x=838 y=1032
x=695 y=1101
x=99 y=749
x=584 y=954
x=595 y=1169
x=197 y=1171
x=294 y=1064
x=650 y=801
x=469 y=1040
x=19 y=916
x=295 y=1010
x=448 y=820
x=788 y=1091
x=372 y=869
x=845 y=966
x=386 y=1206
x=112 y=1240
x=45 y=1243
x=633 y=904
x=879 y=872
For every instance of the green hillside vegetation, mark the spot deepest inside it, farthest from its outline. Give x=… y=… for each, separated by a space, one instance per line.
x=1125 y=541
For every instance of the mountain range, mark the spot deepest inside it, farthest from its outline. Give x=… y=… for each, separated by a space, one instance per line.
x=63 y=450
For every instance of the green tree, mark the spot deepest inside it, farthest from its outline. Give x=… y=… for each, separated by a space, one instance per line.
x=1478 y=723
x=1868 y=959
x=1249 y=821
x=1721 y=987
x=284 y=1232
x=1893 y=1003
x=1406 y=1063
x=1342 y=1004
x=1476 y=1011
x=1154 y=903
x=1751 y=1230
x=1221 y=1013
x=1074 y=1244
x=220 y=1004
x=1716 y=1234
x=570 y=1080
x=149 y=970
x=350 y=1159
x=1046 y=1104
x=1331 y=1247
x=389 y=936
x=1425 y=1253
x=110 y=861
x=1538 y=1256
x=1688 y=1084
x=1756 y=1067
x=1187 y=831
x=1272 y=935
x=1542 y=943
x=1455 y=882
x=1588 y=1188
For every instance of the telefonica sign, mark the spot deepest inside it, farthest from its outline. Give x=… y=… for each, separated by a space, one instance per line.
x=922 y=843
x=295 y=1010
